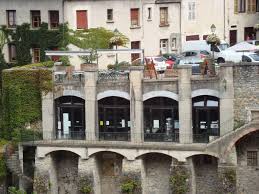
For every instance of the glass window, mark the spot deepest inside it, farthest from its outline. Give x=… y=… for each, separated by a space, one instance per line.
x=54 y=19
x=11 y=18
x=134 y=17
x=242 y=6
x=251 y=7
x=255 y=57
x=252 y=158
x=191 y=11
x=163 y=16
x=12 y=52
x=212 y=103
x=35 y=19
x=36 y=55
x=149 y=13
x=110 y=14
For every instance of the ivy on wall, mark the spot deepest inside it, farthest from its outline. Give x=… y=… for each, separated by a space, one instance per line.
x=26 y=38
x=21 y=94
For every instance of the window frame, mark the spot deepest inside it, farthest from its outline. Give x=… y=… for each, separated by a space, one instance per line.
x=51 y=22
x=110 y=15
x=252 y=160
x=10 y=52
x=241 y=6
x=36 y=59
x=35 y=18
x=191 y=11
x=134 y=22
x=8 y=18
x=251 y=6
x=163 y=19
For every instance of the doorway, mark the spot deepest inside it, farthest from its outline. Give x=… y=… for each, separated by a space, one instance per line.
x=232 y=37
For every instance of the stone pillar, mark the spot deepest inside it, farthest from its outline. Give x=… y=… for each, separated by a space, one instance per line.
x=132 y=170
x=48 y=116
x=45 y=176
x=91 y=111
x=88 y=175
x=226 y=99
x=185 y=104
x=227 y=178
x=136 y=103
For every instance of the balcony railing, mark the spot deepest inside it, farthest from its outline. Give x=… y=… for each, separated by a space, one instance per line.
x=112 y=75
x=114 y=136
x=73 y=135
x=161 y=137
x=62 y=77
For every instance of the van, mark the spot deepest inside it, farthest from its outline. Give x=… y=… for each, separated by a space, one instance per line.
x=202 y=45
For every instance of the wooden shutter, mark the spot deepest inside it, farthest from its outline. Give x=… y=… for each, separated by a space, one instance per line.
x=235 y=6
x=81 y=19
x=134 y=17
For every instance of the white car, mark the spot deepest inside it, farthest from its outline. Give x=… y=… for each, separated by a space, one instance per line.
x=250 y=57
x=160 y=62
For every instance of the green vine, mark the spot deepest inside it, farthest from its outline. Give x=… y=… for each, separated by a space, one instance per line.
x=85 y=186
x=130 y=186
x=179 y=181
x=21 y=95
x=228 y=179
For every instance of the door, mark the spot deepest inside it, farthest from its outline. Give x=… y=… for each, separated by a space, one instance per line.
x=232 y=37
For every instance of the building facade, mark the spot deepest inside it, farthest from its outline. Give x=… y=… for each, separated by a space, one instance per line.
x=157 y=26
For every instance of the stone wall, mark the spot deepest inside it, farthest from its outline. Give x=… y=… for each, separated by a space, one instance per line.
x=247 y=176
x=160 y=85
x=246 y=90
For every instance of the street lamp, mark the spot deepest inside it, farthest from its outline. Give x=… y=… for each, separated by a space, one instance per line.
x=213 y=28
x=116 y=35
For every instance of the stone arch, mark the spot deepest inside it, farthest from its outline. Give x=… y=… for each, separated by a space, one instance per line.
x=75 y=93
x=145 y=152
x=44 y=151
x=237 y=137
x=204 y=153
x=205 y=92
x=92 y=152
x=110 y=93
x=161 y=93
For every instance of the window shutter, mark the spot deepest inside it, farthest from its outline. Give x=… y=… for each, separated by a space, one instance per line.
x=81 y=18
x=235 y=6
x=134 y=16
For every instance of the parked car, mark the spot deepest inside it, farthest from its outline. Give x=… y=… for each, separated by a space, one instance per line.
x=202 y=54
x=161 y=63
x=171 y=56
x=253 y=42
x=194 y=61
x=250 y=57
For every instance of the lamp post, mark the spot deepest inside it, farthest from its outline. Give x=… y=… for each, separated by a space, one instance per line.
x=116 y=35
x=213 y=29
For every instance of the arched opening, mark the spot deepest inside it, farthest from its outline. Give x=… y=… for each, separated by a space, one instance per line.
x=64 y=172
x=70 y=117
x=161 y=119
x=156 y=173
x=205 y=174
x=110 y=171
x=114 y=119
x=247 y=149
x=205 y=118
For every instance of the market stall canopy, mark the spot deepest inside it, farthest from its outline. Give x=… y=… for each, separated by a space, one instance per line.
x=244 y=47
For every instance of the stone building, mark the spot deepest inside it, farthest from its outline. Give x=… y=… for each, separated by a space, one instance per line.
x=157 y=26
x=102 y=129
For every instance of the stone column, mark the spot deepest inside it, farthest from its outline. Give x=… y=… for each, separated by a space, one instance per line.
x=45 y=176
x=48 y=116
x=132 y=170
x=88 y=174
x=91 y=111
x=226 y=99
x=185 y=104
x=136 y=103
x=227 y=178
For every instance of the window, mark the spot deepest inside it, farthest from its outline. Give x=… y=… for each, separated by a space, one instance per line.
x=11 y=18
x=54 y=19
x=163 y=16
x=134 y=17
x=12 y=52
x=36 y=55
x=109 y=14
x=149 y=13
x=205 y=37
x=173 y=44
x=81 y=19
x=251 y=158
x=257 y=5
x=242 y=6
x=135 y=45
x=164 y=46
x=35 y=19
x=251 y=6
x=236 y=6
x=192 y=37
x=191 y=11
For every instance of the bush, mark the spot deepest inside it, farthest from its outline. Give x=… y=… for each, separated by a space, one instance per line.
x=129 y=186
x=20 y=135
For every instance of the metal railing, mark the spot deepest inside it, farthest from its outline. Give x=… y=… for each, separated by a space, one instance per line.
x=73 y=135
x=63 y=77
x=161 y=137
x=113 y=75
x=114 y=136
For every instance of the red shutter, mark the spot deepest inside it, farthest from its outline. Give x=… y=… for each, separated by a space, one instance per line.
x=134 y=16
x=192 y=37
x=81 y=18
